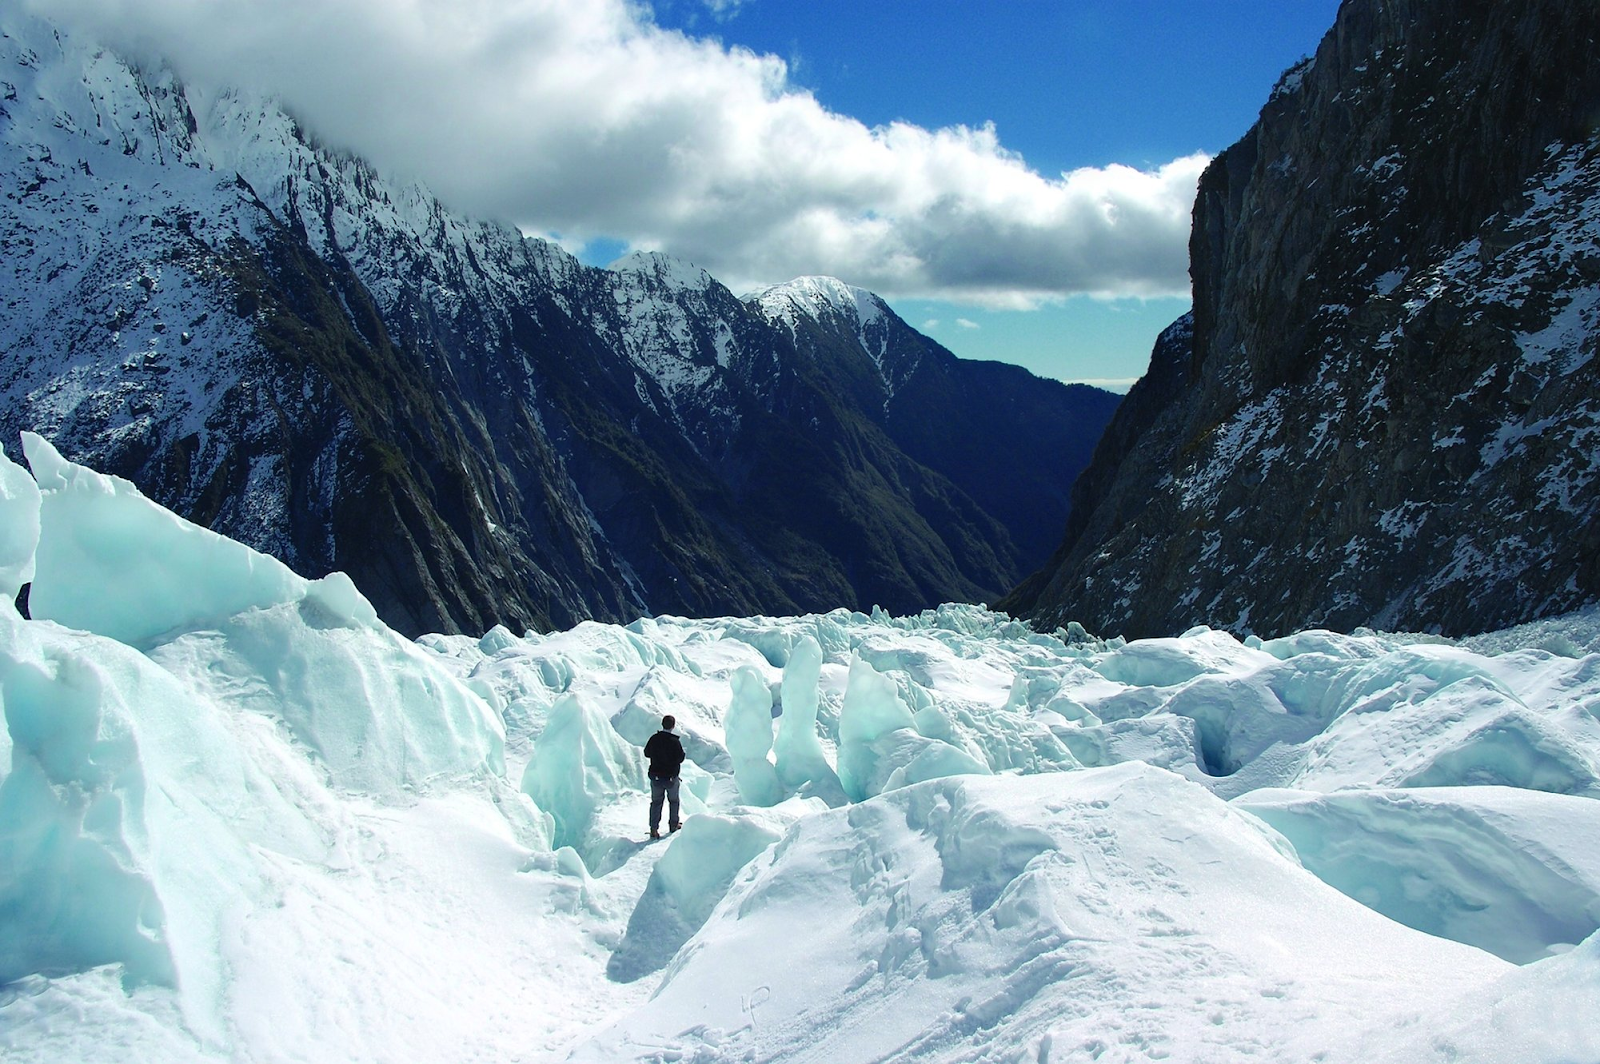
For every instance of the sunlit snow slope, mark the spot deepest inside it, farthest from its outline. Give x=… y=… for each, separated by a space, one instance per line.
x=241 y=820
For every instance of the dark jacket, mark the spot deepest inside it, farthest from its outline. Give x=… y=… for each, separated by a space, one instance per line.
x=665 y=752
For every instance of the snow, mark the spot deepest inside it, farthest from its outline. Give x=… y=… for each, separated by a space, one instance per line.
x=579 y=766
x=19 y=526
x=124 y=567
x=882 y=746
x=1543 y=1012
x=1514 y=872
x=1290 y=81
x=829 y=301
x=240 y=820
x=1116 y=910
x=678 y=339
x=1388 y=282
x=663 y=268
x=811 y=297
x=685 y=886
x=1572 y=635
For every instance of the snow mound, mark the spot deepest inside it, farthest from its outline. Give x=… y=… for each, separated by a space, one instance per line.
x=802 y=764
x=1321 y=711
x=199 y=815
x=130 y=812
x=1511 y=871
x=684 y=887
x=880 y=746
x=1437 y=716
x=1061 y=916
x=1170 y=662
x=1540 y=1013
x=379 y=714
x=240 y=628
x=1572 y=635
x=76 y=882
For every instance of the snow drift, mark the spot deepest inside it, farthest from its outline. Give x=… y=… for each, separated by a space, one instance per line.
x=1116 y=910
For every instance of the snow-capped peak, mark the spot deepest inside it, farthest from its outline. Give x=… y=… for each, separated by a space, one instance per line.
x=668 y=271
x=812 y=296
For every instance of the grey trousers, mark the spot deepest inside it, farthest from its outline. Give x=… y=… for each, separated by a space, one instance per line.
x=664 y=789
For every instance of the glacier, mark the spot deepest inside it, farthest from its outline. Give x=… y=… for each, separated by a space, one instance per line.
x=242 y=820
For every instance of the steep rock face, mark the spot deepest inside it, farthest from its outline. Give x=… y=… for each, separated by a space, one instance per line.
x=272 y=339
x=1388 y=409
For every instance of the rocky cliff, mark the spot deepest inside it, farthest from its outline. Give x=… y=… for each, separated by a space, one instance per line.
x=1385 y=409
x=274 y=340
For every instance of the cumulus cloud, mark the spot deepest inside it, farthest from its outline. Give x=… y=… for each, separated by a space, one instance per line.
x=966 y=323
x=585 y=118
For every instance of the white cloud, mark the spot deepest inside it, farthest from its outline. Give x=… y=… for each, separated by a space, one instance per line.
x=929 y=325
x=583 y=117
x=1120 y=385
x=967 y=323
x=723 y=9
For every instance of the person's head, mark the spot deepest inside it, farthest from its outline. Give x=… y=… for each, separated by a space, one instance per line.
x=669 y=722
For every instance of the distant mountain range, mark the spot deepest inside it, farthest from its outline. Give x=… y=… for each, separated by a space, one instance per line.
x=1385 y=407
x=275 y=341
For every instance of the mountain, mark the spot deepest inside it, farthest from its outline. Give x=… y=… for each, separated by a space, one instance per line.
x=983 y=425
x=284 y=345
x=1385 y=406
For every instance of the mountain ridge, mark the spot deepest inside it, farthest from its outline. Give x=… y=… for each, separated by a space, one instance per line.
x=272 y=338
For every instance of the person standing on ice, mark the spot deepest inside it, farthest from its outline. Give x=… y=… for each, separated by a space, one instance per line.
x=665 y=751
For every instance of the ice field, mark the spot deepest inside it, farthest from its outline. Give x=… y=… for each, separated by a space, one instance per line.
x=241 y=820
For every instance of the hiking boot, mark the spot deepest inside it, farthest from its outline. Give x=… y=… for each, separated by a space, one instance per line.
x=675 y=827
x=654 y=834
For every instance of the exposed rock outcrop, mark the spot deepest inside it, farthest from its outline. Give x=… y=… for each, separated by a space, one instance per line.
x=1388 y=409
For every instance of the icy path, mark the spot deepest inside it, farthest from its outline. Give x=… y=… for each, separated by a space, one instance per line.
x=441 y=940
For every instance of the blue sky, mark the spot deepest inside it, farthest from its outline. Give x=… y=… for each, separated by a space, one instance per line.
x=1014 y=177
x=1067 y=84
